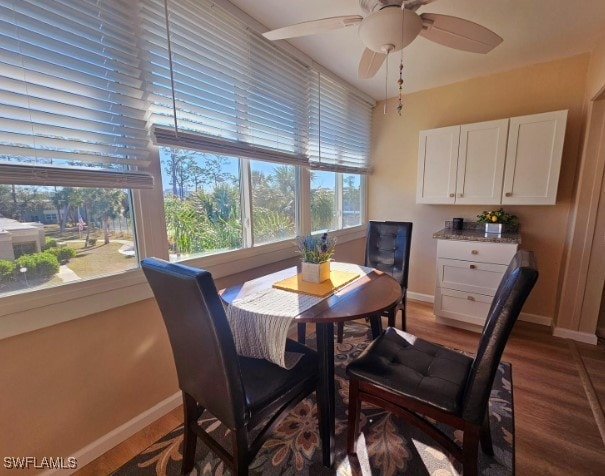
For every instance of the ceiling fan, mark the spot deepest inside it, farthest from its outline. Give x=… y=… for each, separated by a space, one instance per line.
x=390 y=25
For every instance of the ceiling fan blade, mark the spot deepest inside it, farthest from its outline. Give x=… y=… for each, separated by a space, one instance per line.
x=415 y=4
x=458 y=33
x=370 y=63
x=312 y=27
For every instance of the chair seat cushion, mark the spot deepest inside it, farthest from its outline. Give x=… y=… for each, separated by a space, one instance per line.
x=409 y=366
x=264 y=380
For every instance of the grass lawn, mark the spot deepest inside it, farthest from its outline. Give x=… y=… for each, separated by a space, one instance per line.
x=99 y=259
x=89 y=262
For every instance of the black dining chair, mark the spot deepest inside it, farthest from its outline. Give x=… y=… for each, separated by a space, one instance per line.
x=422 y=381
x=241 y=392
x=388 y=246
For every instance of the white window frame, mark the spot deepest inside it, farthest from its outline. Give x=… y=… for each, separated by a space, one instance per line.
x=30 y=311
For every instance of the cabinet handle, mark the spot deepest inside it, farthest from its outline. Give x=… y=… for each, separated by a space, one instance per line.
x=470 y=298
x=461 y=195
x=452 y=195
x=472 y=266
x=508 y=194
x=474 y=252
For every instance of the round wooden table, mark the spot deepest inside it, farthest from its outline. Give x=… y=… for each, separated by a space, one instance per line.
x=367 y=296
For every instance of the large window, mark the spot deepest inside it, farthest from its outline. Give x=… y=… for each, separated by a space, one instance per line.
x=115 y=146
x=72 y=141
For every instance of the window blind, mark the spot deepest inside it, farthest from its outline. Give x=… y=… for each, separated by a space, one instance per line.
x=71 y=98
x=232 y=88
x=340 y=127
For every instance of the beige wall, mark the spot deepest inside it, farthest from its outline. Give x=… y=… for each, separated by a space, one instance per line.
x=595 y=83
x=68 y=385
x=392 y=187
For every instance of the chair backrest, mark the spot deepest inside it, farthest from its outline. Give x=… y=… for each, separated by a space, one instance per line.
x=515 y=286
x=202 y=344
x=388 y=248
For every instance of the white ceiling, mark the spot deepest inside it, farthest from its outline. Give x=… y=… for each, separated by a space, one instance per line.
x=534 y=31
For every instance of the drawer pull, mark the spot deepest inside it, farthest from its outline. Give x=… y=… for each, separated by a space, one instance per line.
x=470 y=298
x=474 y=252
x=508 y=194
x=472 y=266
x=452 y=195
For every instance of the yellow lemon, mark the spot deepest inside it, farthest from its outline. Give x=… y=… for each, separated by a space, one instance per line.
x=494 y=218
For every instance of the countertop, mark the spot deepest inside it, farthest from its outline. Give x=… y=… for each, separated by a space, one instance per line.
x=477 y=235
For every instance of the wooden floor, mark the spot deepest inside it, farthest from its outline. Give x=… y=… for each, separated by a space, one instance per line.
x=556 y=432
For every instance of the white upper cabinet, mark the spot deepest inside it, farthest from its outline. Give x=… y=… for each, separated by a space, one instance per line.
x=507 y=161
x=462 y=164
x=481 y=162
x=438 y=158
x=533 y=159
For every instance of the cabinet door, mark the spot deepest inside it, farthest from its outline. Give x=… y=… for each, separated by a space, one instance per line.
x=437 y=162
x=533 y=158
x=481 y=163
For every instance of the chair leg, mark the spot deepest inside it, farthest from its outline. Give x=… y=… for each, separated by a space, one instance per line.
x=340 y=332
x=470 y=448
x=376 y=325
x=302 y=330
x=191 y=414
x=240 y=452
x=403 y=316
x=354 y=407
x=486 y=435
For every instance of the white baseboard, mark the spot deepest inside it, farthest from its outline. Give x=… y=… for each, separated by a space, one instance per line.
x=536 y=319
x=118 y=435
x=421 y=297
x=578 y=336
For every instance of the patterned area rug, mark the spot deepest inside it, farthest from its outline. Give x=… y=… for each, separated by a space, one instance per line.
x=388 y=445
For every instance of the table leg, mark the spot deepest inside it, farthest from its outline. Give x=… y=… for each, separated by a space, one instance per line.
x=325 y=392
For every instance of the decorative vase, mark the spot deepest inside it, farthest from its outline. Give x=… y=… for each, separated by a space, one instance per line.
x=493 y=228
x=316 y=272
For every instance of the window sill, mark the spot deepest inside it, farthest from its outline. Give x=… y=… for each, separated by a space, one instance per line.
x=35 y=310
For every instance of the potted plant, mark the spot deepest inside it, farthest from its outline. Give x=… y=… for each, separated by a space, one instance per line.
x=315 y=254
x=495 y=220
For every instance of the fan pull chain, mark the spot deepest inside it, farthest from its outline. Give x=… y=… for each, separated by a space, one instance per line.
x=400 y=80
x=400 y=83
x=386 y=84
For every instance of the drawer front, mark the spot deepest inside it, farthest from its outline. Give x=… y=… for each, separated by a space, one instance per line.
x=500 y=253
x=469 y=276
x=467 y=307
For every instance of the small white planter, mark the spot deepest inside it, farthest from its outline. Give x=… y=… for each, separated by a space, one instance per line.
x=493 y=228
x=315 y=272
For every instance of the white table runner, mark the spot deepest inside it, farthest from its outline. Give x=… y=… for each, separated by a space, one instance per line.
x=260 y=322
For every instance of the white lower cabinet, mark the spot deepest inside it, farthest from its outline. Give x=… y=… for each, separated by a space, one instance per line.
x=468 y=274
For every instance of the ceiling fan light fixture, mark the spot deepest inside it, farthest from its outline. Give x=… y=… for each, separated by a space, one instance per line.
x=386 y=27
